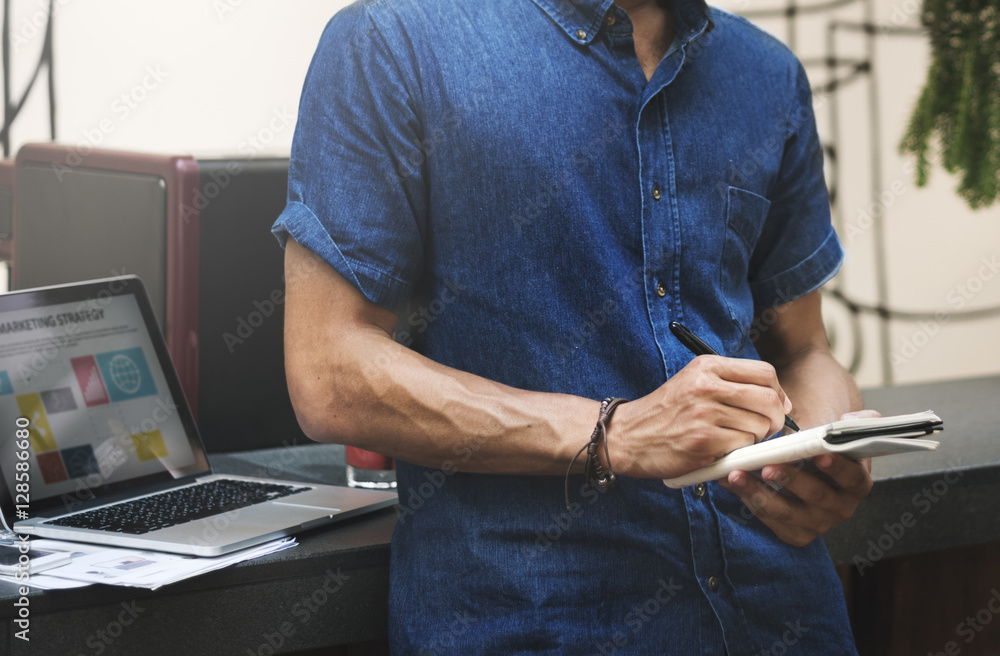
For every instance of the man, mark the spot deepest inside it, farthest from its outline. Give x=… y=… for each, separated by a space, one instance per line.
x=495 y=209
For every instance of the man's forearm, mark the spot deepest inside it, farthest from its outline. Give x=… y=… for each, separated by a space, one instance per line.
x=820 y=388
x=402 y=404
x=351 y=383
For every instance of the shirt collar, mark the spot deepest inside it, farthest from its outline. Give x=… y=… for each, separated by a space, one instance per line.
x=581 y=19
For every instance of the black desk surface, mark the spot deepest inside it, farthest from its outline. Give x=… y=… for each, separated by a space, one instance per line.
x=952 y=497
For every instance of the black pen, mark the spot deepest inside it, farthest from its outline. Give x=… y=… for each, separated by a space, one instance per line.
x=698 y=346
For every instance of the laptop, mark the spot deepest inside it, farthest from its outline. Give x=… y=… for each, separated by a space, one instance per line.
x=98 y=444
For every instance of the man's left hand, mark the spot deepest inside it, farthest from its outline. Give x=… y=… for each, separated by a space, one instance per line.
x=809 y=503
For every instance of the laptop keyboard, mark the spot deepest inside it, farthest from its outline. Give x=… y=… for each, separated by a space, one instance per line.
x=177 y=506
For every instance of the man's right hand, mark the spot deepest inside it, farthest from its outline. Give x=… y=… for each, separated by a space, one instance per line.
x=710 y=407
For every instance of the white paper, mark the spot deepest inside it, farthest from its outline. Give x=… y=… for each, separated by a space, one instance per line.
x=135 y=567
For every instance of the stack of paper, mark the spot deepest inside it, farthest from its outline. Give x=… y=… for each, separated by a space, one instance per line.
x=93 y=563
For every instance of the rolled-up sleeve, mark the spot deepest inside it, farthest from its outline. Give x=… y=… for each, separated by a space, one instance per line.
x=356 y=194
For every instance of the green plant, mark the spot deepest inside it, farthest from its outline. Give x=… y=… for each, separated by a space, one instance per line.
x=960 y=101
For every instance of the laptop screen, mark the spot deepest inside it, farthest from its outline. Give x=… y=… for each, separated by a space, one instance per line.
x=88 y=398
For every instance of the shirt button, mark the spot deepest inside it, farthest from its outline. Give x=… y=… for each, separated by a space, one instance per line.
x=581 y=35
x=610 y=20
x=656 y=192
x=699 y=490
x=713 y=584
x=661 y=291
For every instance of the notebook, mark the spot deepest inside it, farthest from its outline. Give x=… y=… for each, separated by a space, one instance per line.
x=853 y=438
x=98 y=444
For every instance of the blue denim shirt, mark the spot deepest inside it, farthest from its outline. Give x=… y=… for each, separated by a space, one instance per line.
x=502 y=175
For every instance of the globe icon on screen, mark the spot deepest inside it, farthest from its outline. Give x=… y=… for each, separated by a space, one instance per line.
x=125 y=374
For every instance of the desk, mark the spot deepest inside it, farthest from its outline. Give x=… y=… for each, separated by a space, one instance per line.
x=233 y=610
x=953 y=493
x=920 y=554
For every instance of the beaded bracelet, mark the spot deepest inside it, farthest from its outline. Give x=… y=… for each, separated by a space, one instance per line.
x=594 y=472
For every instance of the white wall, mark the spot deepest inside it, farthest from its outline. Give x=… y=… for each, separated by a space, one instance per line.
x=186 y=76
x=208 y=76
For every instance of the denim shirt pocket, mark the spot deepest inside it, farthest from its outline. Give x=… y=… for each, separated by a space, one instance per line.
x=745 y=216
